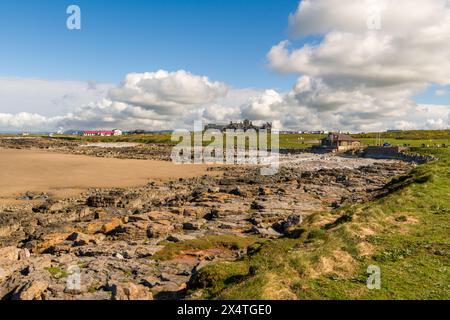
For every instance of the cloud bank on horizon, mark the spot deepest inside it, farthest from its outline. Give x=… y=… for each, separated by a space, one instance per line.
x=355 y=78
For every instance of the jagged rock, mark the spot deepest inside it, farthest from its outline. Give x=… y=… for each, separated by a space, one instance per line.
x=49 y=206
x=138 y=217
x=288 y=224
x=257 y=206
x=265 y=232
x=111 y=225
x=213 y=189
x=102 y=200
x=100 y=213
x=135 y=203
x=150 y=281
x=8 y=228
x=192 y=226
x=9 y=253
x=177 y=279
x=32 y=290
x=173 y=239
x=81 y=239
x=188 y=212
x=33 y=196
x=236 y=191
x=130 y=291
x=264 y=191
x=214 y=214
x=46 y=241
x=104 y=227
x=342 y=178
x=158 y=231
x=24 y=254
x=37 y=264
x=119 y=256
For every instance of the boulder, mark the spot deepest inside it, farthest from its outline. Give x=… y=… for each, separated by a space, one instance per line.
x=32 y=290
x=81 y=239
x=158 y=231
x=265 y=232
x=257 y=206
x=264 y=191
x=130 y=291
x=138 y=217
x=9 y=253
x=49 y=206
x=104 y=227
x=24 y=254
x=289 y=223
x=236 y=192
x=100 y=213
x=192 y=226
x=8 y=227
x=111 y=225
x=46 y=241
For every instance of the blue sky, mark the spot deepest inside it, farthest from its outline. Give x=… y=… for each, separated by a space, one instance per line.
x=431 y=97
x=226 y=40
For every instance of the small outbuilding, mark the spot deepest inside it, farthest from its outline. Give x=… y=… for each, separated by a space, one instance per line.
x=340 y=142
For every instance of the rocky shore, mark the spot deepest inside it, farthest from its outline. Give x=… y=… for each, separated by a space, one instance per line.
x=147 y=242
x=138 y=151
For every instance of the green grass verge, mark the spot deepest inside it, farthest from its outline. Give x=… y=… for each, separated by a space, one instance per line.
x=409 y=135
x=404 y=233
x=57 y=272
x=172 y=250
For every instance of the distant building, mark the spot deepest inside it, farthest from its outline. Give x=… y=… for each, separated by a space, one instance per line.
x=74 y=132
x=102 y=133
x=340 y=142
x=314 y=132
x=138 y=131
x=117 y=132
x=235 y=126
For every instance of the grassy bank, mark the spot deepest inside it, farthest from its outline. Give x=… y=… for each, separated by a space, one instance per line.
x=408 y=135
x=404 y=233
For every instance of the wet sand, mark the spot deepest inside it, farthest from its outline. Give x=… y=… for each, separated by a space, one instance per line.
x=65 y=175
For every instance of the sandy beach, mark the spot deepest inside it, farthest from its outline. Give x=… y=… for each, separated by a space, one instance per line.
x=64 y=175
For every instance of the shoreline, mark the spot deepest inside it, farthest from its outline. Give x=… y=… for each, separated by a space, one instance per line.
x=66 y=175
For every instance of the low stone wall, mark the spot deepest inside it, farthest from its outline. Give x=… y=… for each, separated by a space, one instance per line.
x=397 y=153
x=295 y=151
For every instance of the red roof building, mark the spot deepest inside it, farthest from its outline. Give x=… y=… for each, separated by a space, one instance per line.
x=102 y=133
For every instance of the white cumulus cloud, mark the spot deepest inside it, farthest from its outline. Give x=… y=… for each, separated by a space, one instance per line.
x=167 y=92
x=363 y=78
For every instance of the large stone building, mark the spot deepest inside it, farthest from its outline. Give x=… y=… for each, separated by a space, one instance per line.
x=235 y=126
x=340 y=142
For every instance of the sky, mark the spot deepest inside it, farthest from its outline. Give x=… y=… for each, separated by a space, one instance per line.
x=303 y=65
x=225 y=40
